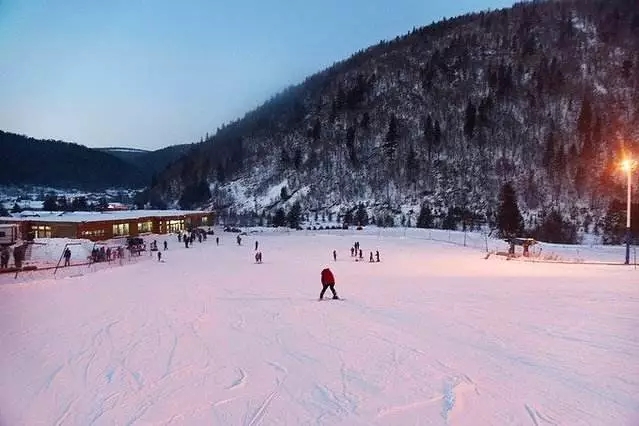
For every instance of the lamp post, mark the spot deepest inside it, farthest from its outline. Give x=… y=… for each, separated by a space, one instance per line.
x=628 y=165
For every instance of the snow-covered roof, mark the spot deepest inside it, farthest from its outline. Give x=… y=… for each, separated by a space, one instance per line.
x=79 y=217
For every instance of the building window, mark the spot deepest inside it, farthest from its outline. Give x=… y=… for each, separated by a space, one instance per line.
x=145 y=226
x=41 y=231
x=175 y=225
x=93 y=234
x=120 y=229
x=205 y=220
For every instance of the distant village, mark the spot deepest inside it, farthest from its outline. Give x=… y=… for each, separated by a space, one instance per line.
x=15 y=200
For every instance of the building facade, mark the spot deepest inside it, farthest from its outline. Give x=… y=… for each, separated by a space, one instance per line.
x=107 y=225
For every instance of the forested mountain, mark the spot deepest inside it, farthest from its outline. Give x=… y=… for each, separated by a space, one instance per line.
x=544 y=95
x=25 y=160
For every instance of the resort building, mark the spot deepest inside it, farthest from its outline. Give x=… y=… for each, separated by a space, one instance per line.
x=98 y=226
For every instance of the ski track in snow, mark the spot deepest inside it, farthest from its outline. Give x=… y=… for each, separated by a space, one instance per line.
x=208 y=338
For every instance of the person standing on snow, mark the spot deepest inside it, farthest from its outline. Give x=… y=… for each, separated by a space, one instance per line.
x=377 y=255
x=328 y=281
x=159 y=256
x=67 y=257
x=335 y=255
x=256 y=245
x=217 y=241
x=166 y=245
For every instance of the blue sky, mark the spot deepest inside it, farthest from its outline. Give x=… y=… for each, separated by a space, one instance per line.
x=152 y=73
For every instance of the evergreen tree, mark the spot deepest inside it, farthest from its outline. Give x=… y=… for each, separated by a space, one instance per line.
x=284 y=193
x=279 y=219
x=3 y=211
x=50 y=203
x=429 y=135
x=220 y=173
x=425 y=218
x=361 y=216
x=509 y=219
x=412 y=165
x=16 y=208
x=391 y=137
x=294 y=215
x=348 y=218
x=79 y=204
x=554 y=229
x=63 y=204
x=469 y=122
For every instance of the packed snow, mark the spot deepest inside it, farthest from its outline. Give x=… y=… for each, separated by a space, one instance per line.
x=435 y=333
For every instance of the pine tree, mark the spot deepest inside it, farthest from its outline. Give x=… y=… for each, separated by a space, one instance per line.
x=412 y=165
x=294 y=215
x=284 y=194
x=469 y=122
x=425 y=218
x=510 y=222
x=50 y=203
x=279 y=219
x=391 y=137
x=361 y=216
x=348 y=218
x=16 y=208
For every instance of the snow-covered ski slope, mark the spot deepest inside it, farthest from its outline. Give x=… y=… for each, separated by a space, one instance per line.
x=432 y=335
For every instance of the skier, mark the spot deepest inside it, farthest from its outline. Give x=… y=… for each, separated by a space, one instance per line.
x=256 y=244
x=166 y=245
x=258 y=257
x=377 y=255
x=179 y=237
x=328 y=281
x=361 y=256
x=217 y=241
x=159 y=256
x=239 y=240
x=335 y=255
x=352 y=251
x=371 y=258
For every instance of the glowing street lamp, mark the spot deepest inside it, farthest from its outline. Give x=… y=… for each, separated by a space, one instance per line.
x=628 y=166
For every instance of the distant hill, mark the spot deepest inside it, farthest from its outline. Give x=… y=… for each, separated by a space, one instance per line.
x=25 y=160
x=130 y=155
x=150 y=163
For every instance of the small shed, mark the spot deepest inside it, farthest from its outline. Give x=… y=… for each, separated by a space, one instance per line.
x=525 y=243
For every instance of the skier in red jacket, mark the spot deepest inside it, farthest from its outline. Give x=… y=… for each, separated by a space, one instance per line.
x=328 y=281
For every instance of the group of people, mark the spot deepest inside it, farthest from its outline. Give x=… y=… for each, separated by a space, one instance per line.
x=100 y=254
x=19 y=253
x=189 y=238
x=358 y=254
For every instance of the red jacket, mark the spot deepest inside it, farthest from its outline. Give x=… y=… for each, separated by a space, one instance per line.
x=327 y=277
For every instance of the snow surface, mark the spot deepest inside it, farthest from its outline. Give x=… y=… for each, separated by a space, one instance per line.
x=434 y=334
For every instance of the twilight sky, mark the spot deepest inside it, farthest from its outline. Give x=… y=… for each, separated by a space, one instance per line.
x=152 y=73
